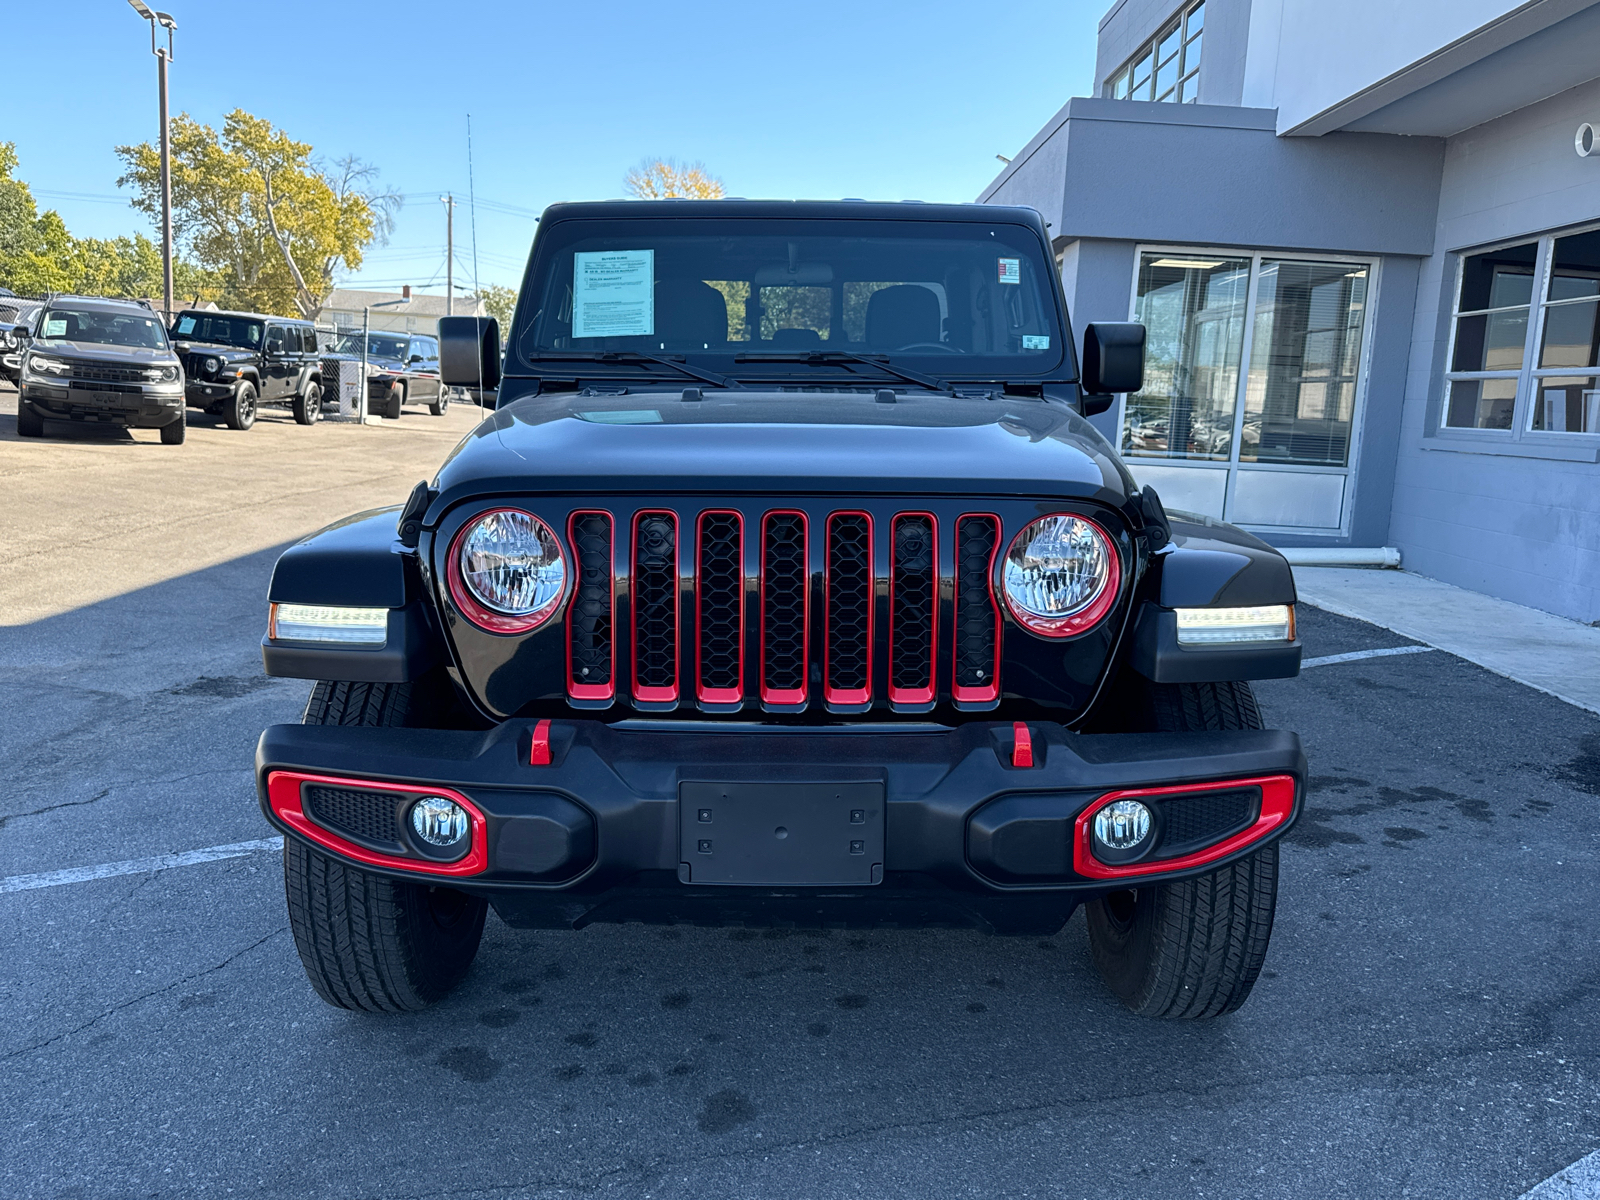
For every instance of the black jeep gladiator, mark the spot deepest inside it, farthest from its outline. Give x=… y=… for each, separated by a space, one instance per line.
x=235 y=362
x=787 y=584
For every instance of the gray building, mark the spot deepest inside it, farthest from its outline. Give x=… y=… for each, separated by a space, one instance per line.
x=1365 y=239
x=420 y=314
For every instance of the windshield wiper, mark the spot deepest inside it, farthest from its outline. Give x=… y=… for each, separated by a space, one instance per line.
x=638 y=356
x=841 y=356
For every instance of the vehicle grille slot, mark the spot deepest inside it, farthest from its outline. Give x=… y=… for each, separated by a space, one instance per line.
x=783 y=608
x=99 y=374
x=719 y=591
x=847 y=670
x=363 y=816
x=655 y=606
x=1192 y=822
x=913 y=595
x=592 y=649
x=977 y=616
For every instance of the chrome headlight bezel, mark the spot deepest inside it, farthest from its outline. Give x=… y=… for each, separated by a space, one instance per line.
x=1077 y=557
x=470 y=568
x=42 y=366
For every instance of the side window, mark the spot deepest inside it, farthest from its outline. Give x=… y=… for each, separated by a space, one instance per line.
x=430 y=352
x=310 y=337
x=293 y=341
x=276 y=343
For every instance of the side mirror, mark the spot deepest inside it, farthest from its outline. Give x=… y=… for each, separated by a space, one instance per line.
x=416 y=358
x=16 y=335
x=469 y=352
x=1113 y=361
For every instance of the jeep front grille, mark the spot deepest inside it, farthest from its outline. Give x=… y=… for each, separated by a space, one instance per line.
x=775 y=609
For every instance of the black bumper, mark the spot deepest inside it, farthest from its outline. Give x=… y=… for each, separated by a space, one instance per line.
x=126 y=405
x=202 y=395
x=610 y=828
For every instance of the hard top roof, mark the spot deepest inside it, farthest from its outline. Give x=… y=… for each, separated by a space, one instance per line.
x=210 y=312
x=836 y=210
x=107 y=303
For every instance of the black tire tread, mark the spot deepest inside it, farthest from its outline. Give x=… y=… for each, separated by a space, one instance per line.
x=1204 y=939
x=29 y=423
x=373 y=704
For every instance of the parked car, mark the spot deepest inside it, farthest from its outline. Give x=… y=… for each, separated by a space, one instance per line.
x=89 y=359
x=729 y=619
x=14 y=310
x=403 y=369
x=238 y=361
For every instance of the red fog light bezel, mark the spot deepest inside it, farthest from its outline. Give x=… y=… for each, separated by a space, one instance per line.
x=283 y=797
x=479 y=614
x=1277 y=806
x=1073 y=624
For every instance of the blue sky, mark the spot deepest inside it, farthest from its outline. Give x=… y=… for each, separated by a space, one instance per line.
x=835 y=98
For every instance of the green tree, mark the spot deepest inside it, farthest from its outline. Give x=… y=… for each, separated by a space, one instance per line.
x=253 y=207
x=666 y=179
x=501 y=303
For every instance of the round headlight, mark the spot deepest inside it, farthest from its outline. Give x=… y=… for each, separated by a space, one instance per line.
x=506 y=571
x=1061 y=575
x=211 y=366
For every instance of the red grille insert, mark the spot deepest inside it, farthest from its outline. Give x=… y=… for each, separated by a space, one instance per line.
x=719 y=607
x=847 y=614
x=655 y=607
x=913 y=608
x=785 y=608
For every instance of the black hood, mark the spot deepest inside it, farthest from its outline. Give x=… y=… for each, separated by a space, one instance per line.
x=786 y=442
x=214 y=350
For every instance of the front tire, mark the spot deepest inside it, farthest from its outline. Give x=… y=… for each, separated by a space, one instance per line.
x=172 y=433
x=440 y=404
x=1194 y=948
x=239 y=410
x=368 y=942
x=394 y=402
x=29 y=423
x=308 y=405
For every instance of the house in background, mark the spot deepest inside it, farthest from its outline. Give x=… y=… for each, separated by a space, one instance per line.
x=420 y=314
x=1365 y=240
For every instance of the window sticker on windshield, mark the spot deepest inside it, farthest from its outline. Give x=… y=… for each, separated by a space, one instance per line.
x=1035 y=341
x=55 y=327
x=613 y=293
x=1010 y=270
x=185 y=326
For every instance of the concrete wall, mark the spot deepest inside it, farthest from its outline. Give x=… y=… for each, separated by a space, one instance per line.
x=1123 y=170
x=1518 y=521
x=1098 y=277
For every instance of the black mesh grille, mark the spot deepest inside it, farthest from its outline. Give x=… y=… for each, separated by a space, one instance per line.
x=107 y=374
x=849 y=602
x=655 y=609
x=783 y=603
x=589 y=622
x=911 y=654
x=975 y=612
x=1189 y=823
x=720 y=579
x=363 y=815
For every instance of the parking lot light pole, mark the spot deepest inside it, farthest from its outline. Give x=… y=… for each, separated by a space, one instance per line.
x=163 y=57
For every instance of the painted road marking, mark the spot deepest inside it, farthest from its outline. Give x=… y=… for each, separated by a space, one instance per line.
x=1580 y=1181
x=137 y=866
x=1354 y=655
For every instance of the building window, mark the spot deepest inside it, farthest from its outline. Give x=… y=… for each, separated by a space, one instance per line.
x=1525 y=350
x=1304 y=339
x=1167 y=67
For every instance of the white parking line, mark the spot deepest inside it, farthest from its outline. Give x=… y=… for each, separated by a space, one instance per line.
x=137 y=866
x=1580 y=1181
x=1355 y=655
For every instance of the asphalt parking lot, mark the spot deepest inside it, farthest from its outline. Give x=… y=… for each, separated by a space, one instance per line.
x=1426 y=1025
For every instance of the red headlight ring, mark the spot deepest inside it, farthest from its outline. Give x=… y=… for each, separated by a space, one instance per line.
x=486 y=618
x=1084 y=619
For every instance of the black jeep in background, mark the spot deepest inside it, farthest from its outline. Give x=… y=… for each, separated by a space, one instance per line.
x=403 y=368
x=235 y=362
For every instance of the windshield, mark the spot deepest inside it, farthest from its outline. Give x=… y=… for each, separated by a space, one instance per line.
x=108 y=328
x=950 y=299
x=225 y=331
x=378 y=346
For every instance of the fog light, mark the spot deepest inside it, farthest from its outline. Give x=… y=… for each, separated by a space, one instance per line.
x=439 y=822
x=1122 y=831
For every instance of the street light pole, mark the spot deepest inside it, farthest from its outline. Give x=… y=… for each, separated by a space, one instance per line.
x=449 y=202
x=163 y=57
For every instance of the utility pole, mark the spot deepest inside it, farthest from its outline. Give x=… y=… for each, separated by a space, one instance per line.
x=449 y=202
x=163 y=57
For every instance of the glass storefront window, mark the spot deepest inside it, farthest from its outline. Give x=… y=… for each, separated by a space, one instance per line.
x=1193 y=309
x=1493 y=308
x=1570 y=340
x=1305 y=357
x=1167 y=67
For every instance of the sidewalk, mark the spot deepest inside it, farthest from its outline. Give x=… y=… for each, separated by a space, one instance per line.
x=1546 y=652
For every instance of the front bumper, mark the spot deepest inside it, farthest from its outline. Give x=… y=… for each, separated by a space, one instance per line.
x=948 y=830
x=118 y=404
x=203 y=393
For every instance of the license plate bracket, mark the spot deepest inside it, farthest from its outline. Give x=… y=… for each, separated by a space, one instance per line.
x=781 y=834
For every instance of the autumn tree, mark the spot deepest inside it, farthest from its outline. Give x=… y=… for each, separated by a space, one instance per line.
x=666 y=178
x=501 y=303
x=255 y=207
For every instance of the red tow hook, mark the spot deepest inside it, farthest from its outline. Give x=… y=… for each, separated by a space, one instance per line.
x=540 y=755
x=1021 y=746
